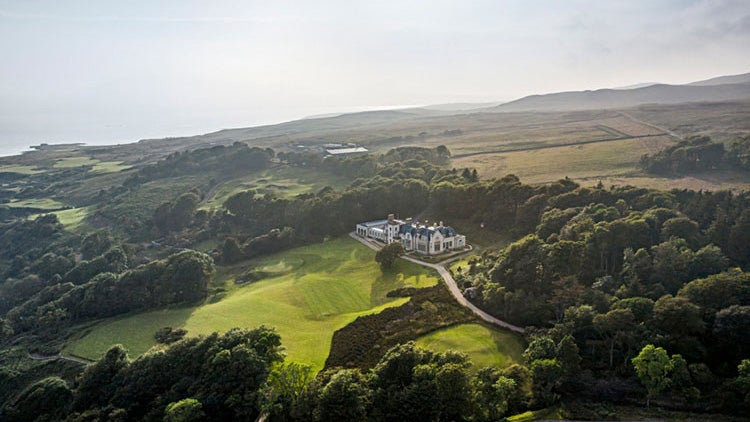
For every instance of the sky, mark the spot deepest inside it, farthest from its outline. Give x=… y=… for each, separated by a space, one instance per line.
x=102 y=71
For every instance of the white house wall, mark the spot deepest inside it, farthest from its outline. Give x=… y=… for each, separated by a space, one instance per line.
x=388 y=232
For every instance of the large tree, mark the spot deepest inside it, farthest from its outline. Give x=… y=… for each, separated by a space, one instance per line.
x=388 y=255
x=653 y=367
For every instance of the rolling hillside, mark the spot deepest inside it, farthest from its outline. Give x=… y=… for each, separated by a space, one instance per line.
x=623 y=98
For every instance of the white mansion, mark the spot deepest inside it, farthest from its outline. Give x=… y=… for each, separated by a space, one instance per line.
x=427 y=240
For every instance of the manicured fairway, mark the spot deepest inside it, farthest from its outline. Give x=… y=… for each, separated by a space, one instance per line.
x=18 y=168
x=315 y=290
x=42 y=204
x=71 y=162
x=72 y=218
x=485 y=346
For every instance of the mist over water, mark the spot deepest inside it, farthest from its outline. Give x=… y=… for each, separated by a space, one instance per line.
x=20 y=131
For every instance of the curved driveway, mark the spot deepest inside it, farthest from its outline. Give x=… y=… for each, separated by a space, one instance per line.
x=451 y=283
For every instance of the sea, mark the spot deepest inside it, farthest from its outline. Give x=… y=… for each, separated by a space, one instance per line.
x=19 y=132
x=18 y=135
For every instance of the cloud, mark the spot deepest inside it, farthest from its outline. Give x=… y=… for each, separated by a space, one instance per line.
x=149 y=19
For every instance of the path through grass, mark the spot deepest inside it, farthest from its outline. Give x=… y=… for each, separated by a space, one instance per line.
x=485 y=346
x=318 y=289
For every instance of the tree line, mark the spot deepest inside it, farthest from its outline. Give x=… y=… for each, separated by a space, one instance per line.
x=699 y=153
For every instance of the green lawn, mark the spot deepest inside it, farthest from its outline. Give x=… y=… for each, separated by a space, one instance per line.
x=485 y=346
x=40 y=203
x=109 y=167
x=18 y=168
x=70 y=162
x=72 y=218
x=315 y=290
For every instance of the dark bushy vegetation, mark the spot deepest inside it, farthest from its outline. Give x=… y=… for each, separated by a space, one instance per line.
x=183 y=277
x=236 y=159
x=408 y=383
x=222 y=373
x=697 y=154
x=364 y=341
x=615 y=270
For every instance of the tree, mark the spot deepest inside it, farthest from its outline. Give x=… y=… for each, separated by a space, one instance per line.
x=44 y=400
x=344 y=398
x=568 y=356
x=96 y=243
x=231 y=252
x=677 y=316
x=285 y=384
x=546 y=375
x=541 y=347
x=388 y=254
x=185 y=410
x=616 y=328
x=653 y=367
x=731 y=326
x=95 y=385
x=492 y=393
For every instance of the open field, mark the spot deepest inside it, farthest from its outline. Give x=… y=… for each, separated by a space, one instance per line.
x=484 y=346
x=73 y=218
x=70 y=162
x=579 y=162
x=314 y=291
x=97 y=165
x=283 y=181
x=714 y=181
x=723 y=121
x=41 y=203
x=19 y=168
x=109 y=166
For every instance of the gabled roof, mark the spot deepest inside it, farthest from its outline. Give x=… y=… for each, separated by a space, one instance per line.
x=406 y=228
x=426 y=231
x=447 y=231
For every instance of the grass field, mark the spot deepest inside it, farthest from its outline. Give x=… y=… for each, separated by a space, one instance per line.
x=579 y=162
x=72 y=218
x=21 y=169
x=485 y=346
x=714 y=181
x=315 y=290
x=41 y=203
x=109 y=167
x=70 y=162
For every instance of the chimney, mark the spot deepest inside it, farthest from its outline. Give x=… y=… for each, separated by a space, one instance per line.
x=391 y=217
x=408 y=220
x=441 y=224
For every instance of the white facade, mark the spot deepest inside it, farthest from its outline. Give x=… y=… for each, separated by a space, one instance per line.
x=426 y=240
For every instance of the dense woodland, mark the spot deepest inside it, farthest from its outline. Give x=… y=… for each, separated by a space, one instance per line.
x=607 y=280
x=699 y=154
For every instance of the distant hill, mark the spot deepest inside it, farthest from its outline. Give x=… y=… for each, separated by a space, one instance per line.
x=723 y=80
x=461 y=106
x=636 y=86
x=620 y=98
x=377 y=125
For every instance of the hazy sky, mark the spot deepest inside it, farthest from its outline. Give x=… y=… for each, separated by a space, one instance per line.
x=122 y=70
